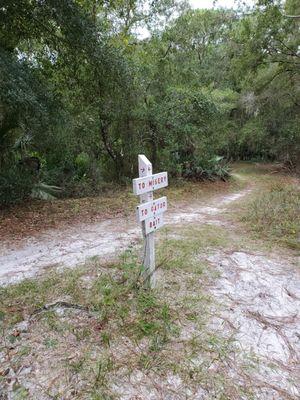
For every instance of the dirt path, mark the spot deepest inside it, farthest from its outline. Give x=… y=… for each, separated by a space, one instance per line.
x=256 y=298
x=72 y=246
x=259 y=303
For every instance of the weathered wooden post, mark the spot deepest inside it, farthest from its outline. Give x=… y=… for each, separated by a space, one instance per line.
x=149 y=212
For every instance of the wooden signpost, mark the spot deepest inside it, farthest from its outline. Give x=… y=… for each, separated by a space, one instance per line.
x=149 y=212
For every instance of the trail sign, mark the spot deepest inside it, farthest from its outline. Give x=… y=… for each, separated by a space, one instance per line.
x=153 y=223
x=149 y=183
x=149 y=212
x=151 y=209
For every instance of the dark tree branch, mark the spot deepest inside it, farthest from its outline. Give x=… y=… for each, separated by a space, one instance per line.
x=167 y=51
x=107 y=145
x=293 y=53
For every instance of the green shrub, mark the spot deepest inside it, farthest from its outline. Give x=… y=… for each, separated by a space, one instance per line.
x=276 y=214
x=202 y=169
x=16 y=184
x=82 y=162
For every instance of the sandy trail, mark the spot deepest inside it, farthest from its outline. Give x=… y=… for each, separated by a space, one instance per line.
x=73 y=245
x=257 y=295
x=259 y=305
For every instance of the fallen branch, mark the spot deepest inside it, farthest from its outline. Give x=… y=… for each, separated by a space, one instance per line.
x=62 y=304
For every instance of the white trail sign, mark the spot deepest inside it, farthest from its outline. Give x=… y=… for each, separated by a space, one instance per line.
x=149 y=212
x=151 y=209
x=150 y=183
x=153 y=223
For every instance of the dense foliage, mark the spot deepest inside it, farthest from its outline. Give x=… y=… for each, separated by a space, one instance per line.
x=81 y=93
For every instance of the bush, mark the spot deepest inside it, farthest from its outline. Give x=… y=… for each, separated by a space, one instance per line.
x=201 y=169
x=276 y=214
x=16 y=184
x=82 y=162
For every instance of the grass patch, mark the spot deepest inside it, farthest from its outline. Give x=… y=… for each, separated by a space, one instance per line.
x=274 y=214
x=182 y=250
x=114 y=294
x=123 y=339
x=107 y=306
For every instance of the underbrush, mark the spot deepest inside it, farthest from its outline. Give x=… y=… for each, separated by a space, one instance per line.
x=15 y=186
x=275 y=214
x=212 y=170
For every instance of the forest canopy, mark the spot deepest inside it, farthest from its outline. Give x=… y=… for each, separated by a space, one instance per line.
x=82 y=92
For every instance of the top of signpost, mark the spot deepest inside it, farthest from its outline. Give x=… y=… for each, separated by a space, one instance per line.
x=145 y=166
